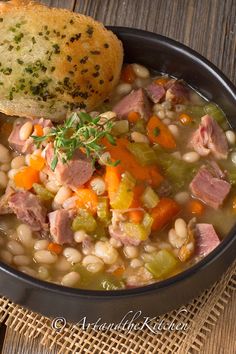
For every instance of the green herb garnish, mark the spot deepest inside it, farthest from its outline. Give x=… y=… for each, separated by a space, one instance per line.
x=80 y=131
x=156 y=131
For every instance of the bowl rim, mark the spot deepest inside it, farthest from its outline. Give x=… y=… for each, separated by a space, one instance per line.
x=199 y=266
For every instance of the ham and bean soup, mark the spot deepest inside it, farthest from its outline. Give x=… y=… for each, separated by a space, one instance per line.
x=121 y=197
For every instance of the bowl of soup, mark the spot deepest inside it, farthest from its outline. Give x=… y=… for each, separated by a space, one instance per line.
x=143 y=212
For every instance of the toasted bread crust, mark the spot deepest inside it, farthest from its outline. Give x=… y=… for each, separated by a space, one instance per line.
x=53 y=60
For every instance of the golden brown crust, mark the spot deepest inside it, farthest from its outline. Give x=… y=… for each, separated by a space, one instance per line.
x=53 y=60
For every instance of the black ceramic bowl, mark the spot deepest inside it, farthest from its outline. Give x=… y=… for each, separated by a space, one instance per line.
x=165 y=55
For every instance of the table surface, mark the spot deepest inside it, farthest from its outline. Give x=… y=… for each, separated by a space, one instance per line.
x=209 y=27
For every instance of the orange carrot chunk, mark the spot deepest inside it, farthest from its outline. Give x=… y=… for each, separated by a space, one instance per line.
x=37 y=162
x=195 y=207
x=159 y=133
x=26 y=177
x=55 y=247
x=133 y=117
x=128 y=74
x=136 y=216
x=163 y=213
x=185 y=119
x=162 y=81
x=112 y=180
x=38 y=130
x=87 y=199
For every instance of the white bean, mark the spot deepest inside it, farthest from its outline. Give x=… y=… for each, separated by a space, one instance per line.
x=80 y=236
x=95 y=267
x=123 y=89
x=131 y=251
x=45 y=257
x=149 y=248
x=136 y=263
x=161 y=114
x=164 y=245
x=141 y=82
x=158 y=107
x=182 y=197
x=174 y=130
x=166 y=105
x=4 y=154
x=141 y=71
x=41 y=245
x=17 y=162
x=25 y=235
x=29 y=271
x=63 y=194
x=179 y=108
x=70 y=279
x=6 y=256
x=170 y=114
x=105 y=251
x=3 y=180
x=5 y=167
x=108 y=115
x=52 y=186
x=181 y=228
x=62 y=264
x=177 y=155
x=72 y=255
x=93 y=263
x=12 y=173
x=233 y=157
x=139 y=137
x=191 y=157
x=98 y=185
x=15 y=248
x=25 y=131
x=21 y=260
x=175 y=240
x=105 y=158
x=115 y=243
x=230 y=135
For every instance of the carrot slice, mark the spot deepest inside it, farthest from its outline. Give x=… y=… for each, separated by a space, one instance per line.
x=26 y=177
x=112 y=180
x=86 y=198
x=149 y=174
x=163 y=213
x=37 y=162
x=55 y=247
x=195 y=207
x=133 y=117
x=159 y=133
x=128 y=74
x=38 y=130
x=136 y=216
x=185 y=119
x=162 y=81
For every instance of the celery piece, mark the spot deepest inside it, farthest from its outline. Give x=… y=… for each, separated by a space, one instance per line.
x=143 y=153
x=42 y=192
x=103 y=209
x=120 y=127
x=97 y=281
x=84 y=221
x=125 y=194
x=196 y=112
x=136 y=231
x=140 y=126
x=213 y=110
x=162 y=264
x=100 y=232
x=147 y=222
x=150 y=198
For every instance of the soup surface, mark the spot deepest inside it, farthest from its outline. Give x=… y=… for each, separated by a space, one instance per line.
x=123 y=197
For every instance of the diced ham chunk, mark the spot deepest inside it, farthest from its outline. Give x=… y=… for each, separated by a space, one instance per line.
x=209 y=137
x=29 y=209
x=209 y=188
x=177 y=92
x=206 y=239
x=75 y=172
x=136 y=101
x=155 y=92
x=60 y=226
x=25 y=146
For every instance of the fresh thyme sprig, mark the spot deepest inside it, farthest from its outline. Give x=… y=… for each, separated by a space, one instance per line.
x=79 y=131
